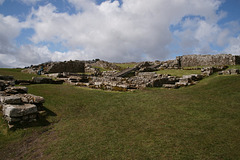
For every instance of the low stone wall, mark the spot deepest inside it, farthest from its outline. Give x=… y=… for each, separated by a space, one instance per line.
x=18 y=107
x=208 y=60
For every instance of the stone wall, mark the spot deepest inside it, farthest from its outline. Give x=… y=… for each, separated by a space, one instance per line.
x=68 y=66
x=18 y=107
x=208 y=60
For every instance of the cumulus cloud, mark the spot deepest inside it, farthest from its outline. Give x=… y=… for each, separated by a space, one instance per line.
x=135 y=31
x=234 y=46
x=9 y=29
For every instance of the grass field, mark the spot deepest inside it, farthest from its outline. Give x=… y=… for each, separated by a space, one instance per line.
x=197 y=122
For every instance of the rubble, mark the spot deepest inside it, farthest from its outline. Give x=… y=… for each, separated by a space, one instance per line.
x=229 y=72
x=141 y=75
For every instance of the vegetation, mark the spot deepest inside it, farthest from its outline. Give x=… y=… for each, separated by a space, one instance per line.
x=197 y=122
x=126 y=65
x=178 y=73
x=17 y=73
x=101 y=68
x=234 y=67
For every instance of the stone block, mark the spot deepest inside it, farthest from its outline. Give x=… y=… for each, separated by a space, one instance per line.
x=41 y=80
x=30 y=98
x=170 y=86
x=19 y=110
x=11 y=99
x=6 y=78
x=234 y=71
x=181 y=84
x=16 y=90
x=12 y=120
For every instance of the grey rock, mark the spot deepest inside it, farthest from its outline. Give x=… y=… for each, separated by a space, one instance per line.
x=30 y=98
x=11 y=99
x=41 y=80
x=170 y=86
x=19 y=110
x=16 y=90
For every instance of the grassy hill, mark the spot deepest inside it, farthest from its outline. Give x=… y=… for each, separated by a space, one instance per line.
x=197 y=122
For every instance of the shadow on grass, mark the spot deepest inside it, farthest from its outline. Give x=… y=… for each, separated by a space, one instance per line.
x=40 y=122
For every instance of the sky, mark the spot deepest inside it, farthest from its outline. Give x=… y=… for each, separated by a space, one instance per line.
x=38 y=31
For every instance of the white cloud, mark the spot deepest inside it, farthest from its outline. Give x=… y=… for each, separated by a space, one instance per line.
x=30 y=2
x=134 y=31
x=10 y=28
x=1 y=2
x=234 y=46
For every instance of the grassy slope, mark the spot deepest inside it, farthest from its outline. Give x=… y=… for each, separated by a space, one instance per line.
x=17 y=73
x=198 y=122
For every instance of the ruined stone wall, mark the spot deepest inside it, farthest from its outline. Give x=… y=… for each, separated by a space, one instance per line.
x=69 y=66
x=208 y=60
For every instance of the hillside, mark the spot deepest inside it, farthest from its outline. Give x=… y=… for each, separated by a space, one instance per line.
x=196 y=122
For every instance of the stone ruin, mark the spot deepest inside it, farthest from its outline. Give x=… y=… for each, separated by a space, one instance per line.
x=56 y=67
x=208 y=60
x=143 y=75
x=18 y=107
x=229 y=72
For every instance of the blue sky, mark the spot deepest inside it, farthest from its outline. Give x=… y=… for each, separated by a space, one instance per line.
x=36 y=31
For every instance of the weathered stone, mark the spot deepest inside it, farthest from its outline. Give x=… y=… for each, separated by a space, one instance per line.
x=67 y=66
x=11 y=99
x=181 y=84
x=169 y=86
x=12 y=120
x=19 y=110
x=230 y=71
x=234 y=71
x=16 y=90
x=147 y=74
x=30 y=98
x=23 y=82
x=7 y=78
x=41 y=80
x=208 y=60
x=194 y=77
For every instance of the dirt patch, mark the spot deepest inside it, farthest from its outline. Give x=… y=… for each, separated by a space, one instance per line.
x=31 y=147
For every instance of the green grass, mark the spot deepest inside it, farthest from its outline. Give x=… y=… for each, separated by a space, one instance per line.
x=178 y=73
x=17 y=73
x=197 y=122
x=126 y=65
x=101 y=68
x=234 y=67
